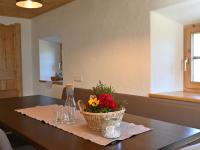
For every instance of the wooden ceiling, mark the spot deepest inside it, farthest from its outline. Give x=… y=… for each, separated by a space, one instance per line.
x=8 y=8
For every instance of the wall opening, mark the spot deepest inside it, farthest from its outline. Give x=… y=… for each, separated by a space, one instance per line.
x=50 y=57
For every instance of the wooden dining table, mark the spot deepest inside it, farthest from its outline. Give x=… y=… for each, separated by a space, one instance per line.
x=163 y=135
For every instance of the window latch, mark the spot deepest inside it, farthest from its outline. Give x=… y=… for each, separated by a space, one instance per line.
x=186 y=62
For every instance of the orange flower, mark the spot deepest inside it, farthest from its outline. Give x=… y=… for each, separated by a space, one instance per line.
x=93 y=101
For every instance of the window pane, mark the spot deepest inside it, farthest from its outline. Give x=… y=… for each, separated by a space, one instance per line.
x=195 y=53
x=196 y=40
x=196 y=70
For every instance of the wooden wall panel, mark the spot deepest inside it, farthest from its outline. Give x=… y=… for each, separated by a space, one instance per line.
x=178 y=112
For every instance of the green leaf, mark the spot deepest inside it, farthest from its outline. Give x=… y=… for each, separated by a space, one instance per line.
x=102 y=89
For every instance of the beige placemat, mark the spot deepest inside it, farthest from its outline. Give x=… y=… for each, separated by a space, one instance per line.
x=48 y=115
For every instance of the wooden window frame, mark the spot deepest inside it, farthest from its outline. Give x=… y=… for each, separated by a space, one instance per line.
x=188 y=84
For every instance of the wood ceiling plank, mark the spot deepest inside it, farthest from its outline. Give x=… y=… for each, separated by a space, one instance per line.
x=8 y=8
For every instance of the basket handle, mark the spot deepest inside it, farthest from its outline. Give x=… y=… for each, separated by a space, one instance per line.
x=81 y=105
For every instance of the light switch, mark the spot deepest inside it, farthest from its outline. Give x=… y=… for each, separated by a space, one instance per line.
x=78 y=78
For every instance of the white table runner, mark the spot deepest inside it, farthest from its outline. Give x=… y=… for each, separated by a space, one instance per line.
x=48 y=115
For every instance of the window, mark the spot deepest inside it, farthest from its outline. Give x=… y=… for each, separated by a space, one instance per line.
x=192 y=58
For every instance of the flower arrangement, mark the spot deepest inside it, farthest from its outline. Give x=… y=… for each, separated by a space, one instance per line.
x=102 y=109
x=103 y=100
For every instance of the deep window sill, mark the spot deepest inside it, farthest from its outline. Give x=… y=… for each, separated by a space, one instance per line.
x=178 y=96
x=53 y=82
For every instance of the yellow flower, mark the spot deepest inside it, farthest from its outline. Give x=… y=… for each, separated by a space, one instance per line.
x=93 y=102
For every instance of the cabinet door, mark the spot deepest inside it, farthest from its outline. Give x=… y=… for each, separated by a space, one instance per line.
x=10 y=61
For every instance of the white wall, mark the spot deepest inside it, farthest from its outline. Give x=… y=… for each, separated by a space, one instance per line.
x=26 y=47
x=102 y=40
x=166 y=54
x=49 y=59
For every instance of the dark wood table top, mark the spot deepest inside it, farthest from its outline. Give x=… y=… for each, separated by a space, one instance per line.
x=163 y=135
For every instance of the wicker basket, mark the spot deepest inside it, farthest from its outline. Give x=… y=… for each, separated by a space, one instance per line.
x=96 y=120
